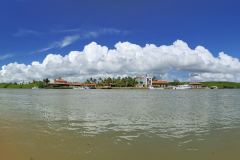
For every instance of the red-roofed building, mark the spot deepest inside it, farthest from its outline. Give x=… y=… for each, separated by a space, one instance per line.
x=195 y=85
x=159 y=83
x=59 y=82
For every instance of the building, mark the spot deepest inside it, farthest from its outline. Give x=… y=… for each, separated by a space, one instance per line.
x=196 y=85
x=159 y=83
x=59 y=82
x=144 y=81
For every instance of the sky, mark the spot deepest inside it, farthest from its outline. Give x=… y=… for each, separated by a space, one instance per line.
x=195 y=40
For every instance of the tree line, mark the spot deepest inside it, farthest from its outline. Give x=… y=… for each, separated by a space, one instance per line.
x=114 y=81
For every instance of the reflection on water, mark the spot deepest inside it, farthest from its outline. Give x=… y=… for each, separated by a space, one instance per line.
x=75 y=123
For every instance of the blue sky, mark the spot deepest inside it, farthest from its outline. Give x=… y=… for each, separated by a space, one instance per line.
x=31 y=25
x=32 y=29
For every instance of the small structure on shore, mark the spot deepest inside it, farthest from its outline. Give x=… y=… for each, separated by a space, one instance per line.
x=196 y=85
x=159 y=83
x=59 y=82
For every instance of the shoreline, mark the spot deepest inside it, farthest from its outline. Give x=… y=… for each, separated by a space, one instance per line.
x=119 y=88
x=41 y=85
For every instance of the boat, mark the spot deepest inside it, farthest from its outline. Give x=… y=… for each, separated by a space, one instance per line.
x=214 y=87
x=86 y=88
x=106 y=87
x=151 y=87
x=81 y=88
x=35 y=87
x=182 y=87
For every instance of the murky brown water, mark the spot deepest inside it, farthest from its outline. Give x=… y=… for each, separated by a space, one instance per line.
x=119 y=124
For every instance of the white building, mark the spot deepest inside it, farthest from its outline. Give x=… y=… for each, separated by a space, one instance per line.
x=144 y=81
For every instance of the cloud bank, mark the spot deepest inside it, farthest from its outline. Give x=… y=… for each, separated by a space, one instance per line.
x=128 y=59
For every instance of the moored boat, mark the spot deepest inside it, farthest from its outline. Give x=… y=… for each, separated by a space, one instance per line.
x=153 y=88
x=182 y=87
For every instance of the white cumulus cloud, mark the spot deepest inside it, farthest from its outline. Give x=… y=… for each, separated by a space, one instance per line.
x=128 y=59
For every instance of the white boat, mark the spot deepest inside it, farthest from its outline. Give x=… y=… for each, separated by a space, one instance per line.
x=151 y=87
x=214 y=87
x=80 y=88
x=35 y=87
x=185 y=86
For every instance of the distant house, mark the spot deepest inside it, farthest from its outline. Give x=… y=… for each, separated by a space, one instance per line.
x=196 y=85
x=59 y=82
x=143 y=81
x=159 y=83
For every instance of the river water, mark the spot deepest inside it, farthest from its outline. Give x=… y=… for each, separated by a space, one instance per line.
x=119 y=124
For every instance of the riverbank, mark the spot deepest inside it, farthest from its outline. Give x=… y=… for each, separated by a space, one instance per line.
x=20 y=86
x=222 y=85
x=39 y=84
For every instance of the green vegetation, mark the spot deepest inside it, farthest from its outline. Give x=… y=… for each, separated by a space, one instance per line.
x=176 y=83
x=222 y=85
x=114 y=82
x=29 y=85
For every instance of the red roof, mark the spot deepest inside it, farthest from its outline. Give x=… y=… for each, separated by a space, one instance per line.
x=82 y=84
x=60 y=81
x=159 y=82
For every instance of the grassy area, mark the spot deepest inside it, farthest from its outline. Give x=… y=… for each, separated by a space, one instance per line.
x=38 y=84
x=222 y=85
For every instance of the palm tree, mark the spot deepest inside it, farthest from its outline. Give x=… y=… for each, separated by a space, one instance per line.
x=91 y=79
x=46 y=81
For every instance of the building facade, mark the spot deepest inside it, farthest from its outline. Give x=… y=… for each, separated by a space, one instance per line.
x=196 y=85
x=59 y=82
x=159 y=84
x=144 y=81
